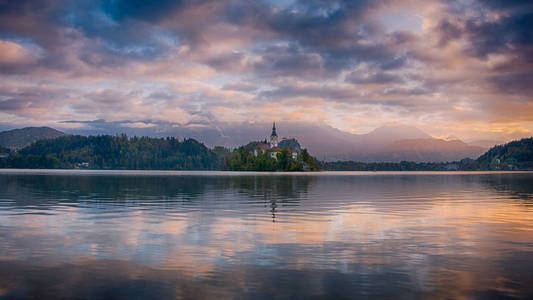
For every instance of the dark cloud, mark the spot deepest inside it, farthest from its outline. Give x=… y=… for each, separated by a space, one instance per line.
x=112 y=97
x=509 y=34
x=140 y=9
x=240 y=86
x=30 y=101
x=325 y=36
x=515 y=83
x=13 y=104
x=506 y=31
x=515 y=4
x=448 y=31
x=227 y=61
x=395 y=63
x=407 y=91
x=288 y=61
x=326 y=92
x=378 y=78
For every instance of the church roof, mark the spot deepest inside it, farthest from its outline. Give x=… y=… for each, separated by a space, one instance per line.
x=262 y=146
x=274 y=130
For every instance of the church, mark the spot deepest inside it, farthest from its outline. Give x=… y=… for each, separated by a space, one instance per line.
x=274 y=147
x=273 y=137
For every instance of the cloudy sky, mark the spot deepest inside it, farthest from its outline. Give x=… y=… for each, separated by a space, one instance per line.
x=449 y=67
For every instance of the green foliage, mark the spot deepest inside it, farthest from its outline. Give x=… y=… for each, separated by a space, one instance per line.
x=243 y=159
x=144 y=153
x=122 y=152
x=115 y=152
x=383 y=166
x=513 y=155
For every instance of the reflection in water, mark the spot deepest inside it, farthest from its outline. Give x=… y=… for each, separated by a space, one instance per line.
x=280 y=236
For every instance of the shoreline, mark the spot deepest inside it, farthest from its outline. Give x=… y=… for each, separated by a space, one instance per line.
x=239 y=173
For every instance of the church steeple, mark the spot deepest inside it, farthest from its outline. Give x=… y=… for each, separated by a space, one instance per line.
x=273 y=137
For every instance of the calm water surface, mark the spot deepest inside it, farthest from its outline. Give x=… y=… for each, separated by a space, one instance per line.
x=162 y=235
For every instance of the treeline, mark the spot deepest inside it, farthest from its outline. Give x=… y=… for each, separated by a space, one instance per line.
x=243 y=159
x=144 y=153
x=464 y=165
x=115 y=152
x=516 y=155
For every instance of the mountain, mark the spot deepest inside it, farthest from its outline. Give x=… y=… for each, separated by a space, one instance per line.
x=20 y=138
x=428 y=150
x=484 y=143
x=385 y=135
x=323 y=141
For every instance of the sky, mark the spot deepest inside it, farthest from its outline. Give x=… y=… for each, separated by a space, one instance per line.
x=461 y=68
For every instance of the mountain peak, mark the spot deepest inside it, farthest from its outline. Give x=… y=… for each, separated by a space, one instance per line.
x=399 y=132
x=19 y=138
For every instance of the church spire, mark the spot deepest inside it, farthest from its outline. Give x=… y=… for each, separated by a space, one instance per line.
x=274 y=137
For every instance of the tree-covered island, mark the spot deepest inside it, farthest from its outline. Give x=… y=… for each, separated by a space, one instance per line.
x=285 y=155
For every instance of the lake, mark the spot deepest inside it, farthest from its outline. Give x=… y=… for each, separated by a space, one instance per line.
x=218 y=235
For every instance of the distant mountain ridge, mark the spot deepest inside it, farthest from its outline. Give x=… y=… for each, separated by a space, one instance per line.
x=20 y=138
x=427 y=150
x=516 y=155
x=390 y=143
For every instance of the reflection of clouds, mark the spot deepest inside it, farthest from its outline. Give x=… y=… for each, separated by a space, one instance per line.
x=445 y=234
x=118 y=278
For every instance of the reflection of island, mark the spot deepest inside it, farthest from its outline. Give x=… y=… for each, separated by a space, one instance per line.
x=274 y=191
x=165 y=192
x=278 y=193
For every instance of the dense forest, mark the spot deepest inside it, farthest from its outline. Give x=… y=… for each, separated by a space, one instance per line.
x=242 y=159
x=145 y=153
x=463 y=165
x=115 y=152
x=513 y=155
x=4 y=150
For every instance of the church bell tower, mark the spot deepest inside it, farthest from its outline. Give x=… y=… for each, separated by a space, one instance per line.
x=273 y=137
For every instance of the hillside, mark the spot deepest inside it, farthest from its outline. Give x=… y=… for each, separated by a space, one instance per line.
x=20 y=138
x=114 y=152
x=513 y=155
